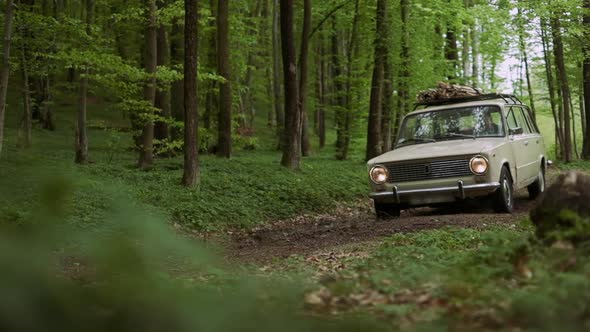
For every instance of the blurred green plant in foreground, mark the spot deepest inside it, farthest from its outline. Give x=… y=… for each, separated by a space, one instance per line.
x=132 y=274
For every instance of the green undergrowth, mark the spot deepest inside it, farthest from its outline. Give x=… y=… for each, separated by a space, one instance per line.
x=462 y=279
x=249 y=189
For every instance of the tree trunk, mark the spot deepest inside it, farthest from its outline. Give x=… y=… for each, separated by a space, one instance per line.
x=161 y=129
x=177 y=88
x=212 y=98
x=276 y=71
x=451 y=52
x=247 y=98
x=225 y=95
x=25 y=124
x=338 y=87
x=474 y=56
x=5 y=71
x=146 y=151
x=191 y=174
x=404 y=76
x=523 y=50
x=321 y=94
x=351 y=51
x=586 y=74
x=81 y=128
x=292 y=132
x=564 y=86
x=551 y=84
x=303 y=72
x=465 y=47
x=374 y=139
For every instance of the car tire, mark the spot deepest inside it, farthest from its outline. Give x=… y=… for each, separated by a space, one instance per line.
x=537 y=187
x=387 y=211
x=504 y=196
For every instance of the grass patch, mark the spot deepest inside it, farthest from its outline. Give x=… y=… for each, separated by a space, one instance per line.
x=461 y=279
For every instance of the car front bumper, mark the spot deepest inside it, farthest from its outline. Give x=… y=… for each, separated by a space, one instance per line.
x=435 y=195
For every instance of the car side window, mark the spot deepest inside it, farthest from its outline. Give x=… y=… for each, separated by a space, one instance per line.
x=519 y=121
x=511 y=120
x=532 y=124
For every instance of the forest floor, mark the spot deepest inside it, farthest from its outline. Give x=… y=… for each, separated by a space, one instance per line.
x=345 y=226
x=462 y=267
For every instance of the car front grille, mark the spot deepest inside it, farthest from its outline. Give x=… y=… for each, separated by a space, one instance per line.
x=428 y=170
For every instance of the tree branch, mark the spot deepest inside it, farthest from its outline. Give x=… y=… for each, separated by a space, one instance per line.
x=328 y=15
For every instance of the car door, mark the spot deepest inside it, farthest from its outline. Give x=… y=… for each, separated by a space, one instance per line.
x=520 y=140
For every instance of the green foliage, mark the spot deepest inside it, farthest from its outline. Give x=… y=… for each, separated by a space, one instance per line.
x=461 y=279
x=133 y=272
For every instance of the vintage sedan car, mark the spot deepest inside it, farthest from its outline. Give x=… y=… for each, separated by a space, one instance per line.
x=446 y=151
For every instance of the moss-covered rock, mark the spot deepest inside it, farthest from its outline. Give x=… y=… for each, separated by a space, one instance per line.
x=563 y=213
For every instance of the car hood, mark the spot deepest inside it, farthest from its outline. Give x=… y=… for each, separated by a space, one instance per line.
x=439 y=149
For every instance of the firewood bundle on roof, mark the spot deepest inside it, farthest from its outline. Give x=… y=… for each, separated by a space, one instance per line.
x=445 y=91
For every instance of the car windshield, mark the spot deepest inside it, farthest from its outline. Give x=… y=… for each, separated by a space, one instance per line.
x=457 y=123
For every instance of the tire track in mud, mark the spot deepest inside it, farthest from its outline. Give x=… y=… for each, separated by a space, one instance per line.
x=310 y=234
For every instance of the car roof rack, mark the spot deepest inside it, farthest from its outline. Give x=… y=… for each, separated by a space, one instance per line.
x=508 y=98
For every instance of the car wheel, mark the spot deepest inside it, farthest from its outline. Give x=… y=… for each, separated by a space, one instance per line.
x=387 y=211
x=537 y=187
x=504 y=196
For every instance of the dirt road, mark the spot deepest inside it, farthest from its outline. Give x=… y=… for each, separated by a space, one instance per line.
x=309 y=234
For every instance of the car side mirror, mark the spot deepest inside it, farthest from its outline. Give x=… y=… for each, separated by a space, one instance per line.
x=516 y=131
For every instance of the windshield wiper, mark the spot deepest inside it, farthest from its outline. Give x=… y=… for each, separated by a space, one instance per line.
x=459 y=135
x=416 y=140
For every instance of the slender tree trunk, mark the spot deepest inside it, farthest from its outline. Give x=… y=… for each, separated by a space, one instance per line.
x=247 y=98
x=191 y=174
x=5 y=71
x=465 y=47
x=177 y=88
x=551 y=84
x=224 y=145
x=212 y=98
x=581 y=105
x=276 y=71
x=374 y=139
x=338 y=86
x=163 y=101
x=146 y=152
x=81 y=128
x=586 y=75
x=563 y=83
x=474 y=55
x=25 y=124
x=523 y=50
x=321 y=93
x=351 y=51
x=303 y=73
x=388 y=114
x=451 y=52
x=404 y=76
x=292 y=146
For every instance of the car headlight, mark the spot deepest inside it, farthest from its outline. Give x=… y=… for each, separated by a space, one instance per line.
x=479 y=165
x=379 y=174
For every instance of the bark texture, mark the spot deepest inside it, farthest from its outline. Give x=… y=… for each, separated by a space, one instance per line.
x=303 y=73
x=564 y=88
x=224 y=145
x=191 y=174
x=586 y=73
x=292 y=132
x=374 y=140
